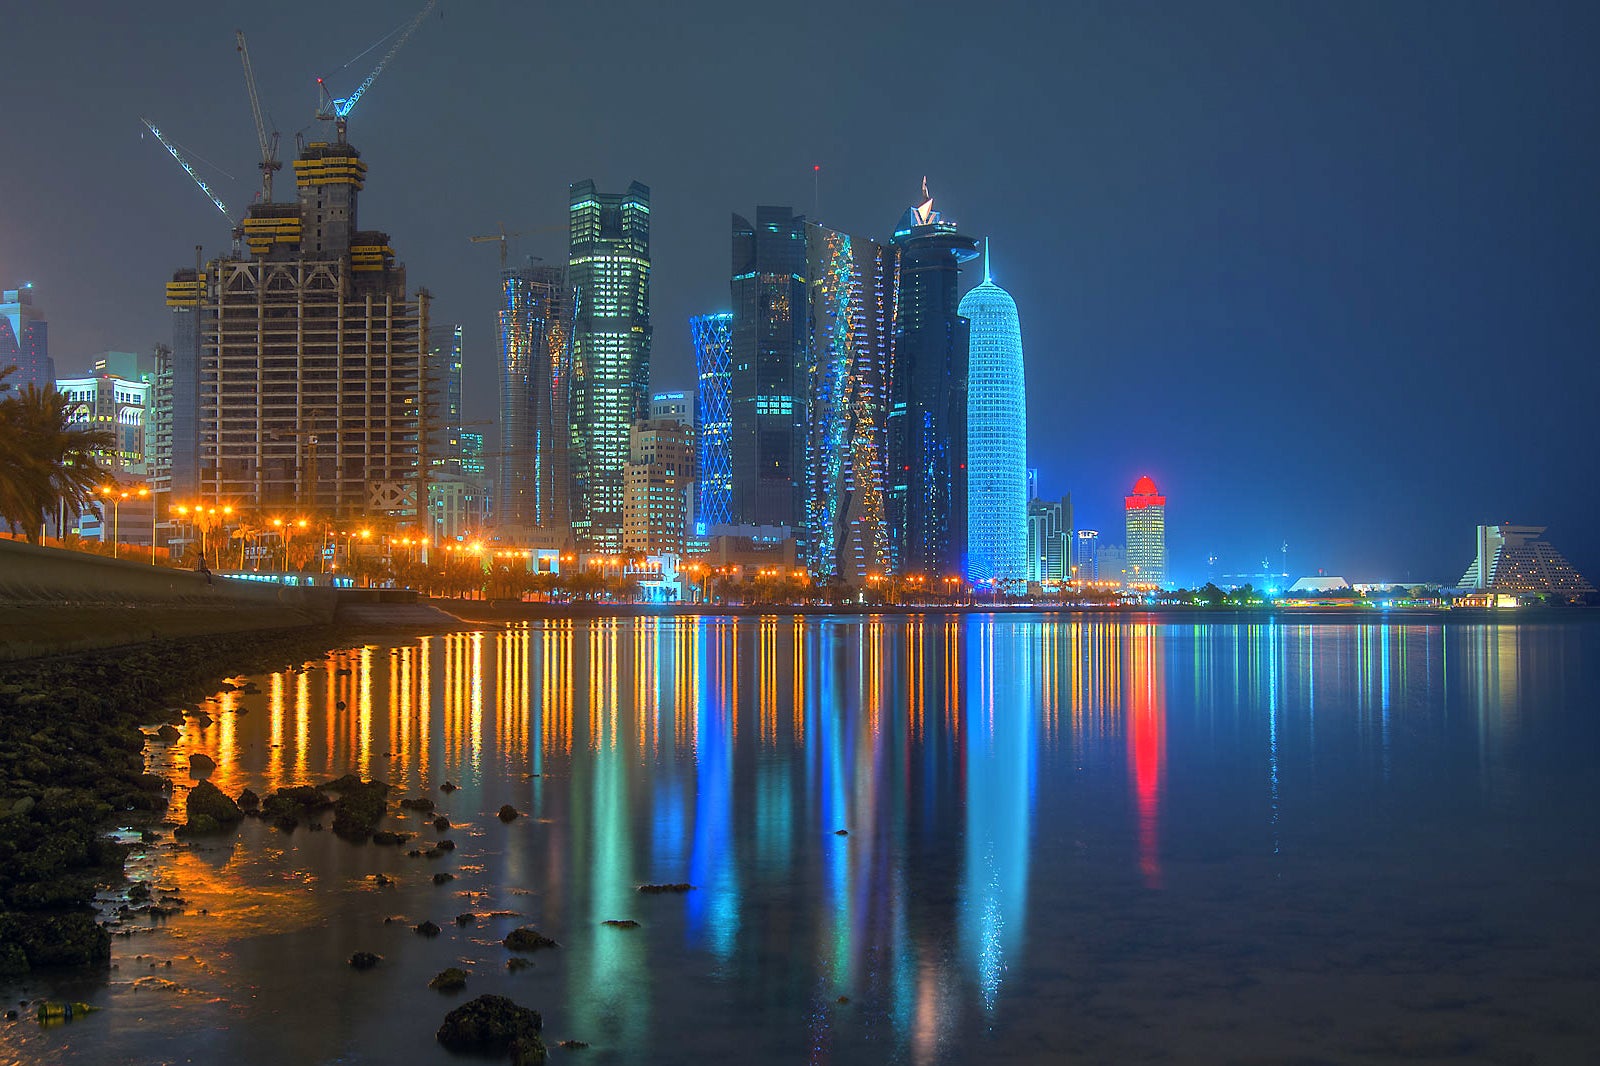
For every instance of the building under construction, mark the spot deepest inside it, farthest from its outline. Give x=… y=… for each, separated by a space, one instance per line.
x=299 y=361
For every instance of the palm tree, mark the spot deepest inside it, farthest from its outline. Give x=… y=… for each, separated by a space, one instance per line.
x=44 y=460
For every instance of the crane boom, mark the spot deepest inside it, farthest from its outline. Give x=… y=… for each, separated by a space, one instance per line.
x=269 y=146
x=337 y=109
x=184 y=163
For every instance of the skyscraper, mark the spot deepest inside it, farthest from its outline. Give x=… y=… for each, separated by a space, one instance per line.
x=609 y=273
x=24 y=340
x=535 y=372
x=1048 y=534
x=1086 y=561
x=714 y=460
x=927 y=482
x=672 y=406
x=767 y=362
x=444 y=372
x=302 y=366
x=851 y=291
x=1146 y=515
x=997 y=441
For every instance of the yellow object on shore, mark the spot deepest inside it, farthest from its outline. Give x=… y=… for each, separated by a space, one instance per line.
x=63 y=1012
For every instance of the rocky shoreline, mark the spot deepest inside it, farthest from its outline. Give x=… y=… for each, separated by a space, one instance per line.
x=72 y=763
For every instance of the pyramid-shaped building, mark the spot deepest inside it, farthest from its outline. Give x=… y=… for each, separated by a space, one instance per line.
x=1519 y=559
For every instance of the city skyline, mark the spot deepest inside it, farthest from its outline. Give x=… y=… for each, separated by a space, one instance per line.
x=1330 y=257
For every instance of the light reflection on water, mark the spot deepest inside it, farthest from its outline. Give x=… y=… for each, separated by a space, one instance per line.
x=1058 y=838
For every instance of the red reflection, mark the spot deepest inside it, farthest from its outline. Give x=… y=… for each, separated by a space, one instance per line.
x=1146 y=748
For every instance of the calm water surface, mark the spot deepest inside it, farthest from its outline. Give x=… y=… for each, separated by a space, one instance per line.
x=1066 y=841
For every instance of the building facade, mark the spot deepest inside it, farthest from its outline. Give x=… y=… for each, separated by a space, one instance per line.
x=672 y=406
x=533 y=491
x=927 y=421
x=120 y=407
x=767 y=360
x=998 y=519
x=852 y=286
x=609 y=274
x=712 y=336
x=25 y=340
x=1145 y=513
x=304 y=361
x=444 y=380
x=658 y=476
x=1049 y=540
x=1085 y=558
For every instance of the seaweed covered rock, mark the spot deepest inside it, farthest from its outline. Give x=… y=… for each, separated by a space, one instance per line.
x=34 y=941
x=364 y=960
x=288 y=807
x=494 y=1025
x=201 y=764
x=249 y=802
x=450 y=979
x=527 y=938
x=422 y=803
x=209 y=801
x=508 y=813
x=360 y=807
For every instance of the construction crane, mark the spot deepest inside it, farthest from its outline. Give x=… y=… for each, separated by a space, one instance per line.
x=269 y=145
x=503 y=237
x=337 y=109
x=187 y=169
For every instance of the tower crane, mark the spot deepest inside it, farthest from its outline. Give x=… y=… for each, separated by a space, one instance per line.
x=269 y=146
x=504 y=236
x=189 y=170
x=336 y=109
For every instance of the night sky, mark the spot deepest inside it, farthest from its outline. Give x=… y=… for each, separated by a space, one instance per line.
x=1327 y=272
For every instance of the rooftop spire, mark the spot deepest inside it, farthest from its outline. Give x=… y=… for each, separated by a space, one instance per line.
x=986 y=280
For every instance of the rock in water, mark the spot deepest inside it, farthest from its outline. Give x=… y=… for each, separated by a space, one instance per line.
x=363 y=960
x=210 y=809
x=528 y=938
x=451 y=979
x=572 y=1045
x=249 y=801
x=509 y=813
x=168 y=733
x=360 y=806
x=421 y=804
x=447 y=788
x=656 y=890
x=427 y=928
x=201 y=764
x=441 y=823
x=621 y=923
x=494 y=1025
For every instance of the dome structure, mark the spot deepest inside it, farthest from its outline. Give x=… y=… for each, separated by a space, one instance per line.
x=997 y=435
x=1145 y=486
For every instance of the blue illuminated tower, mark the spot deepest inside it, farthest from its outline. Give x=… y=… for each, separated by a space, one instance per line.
x=713 y=336
x=927 y=477
x=997 y=435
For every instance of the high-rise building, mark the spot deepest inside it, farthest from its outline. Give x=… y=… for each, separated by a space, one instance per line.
x=1048 y=536
x=609 y=274
x=1519 y=559
x=714 y=459
x=1085 y=559
x=851 y=289
x=444 y=377
x=120 y=407
x=1146 y=518
x=927 y=482
x=472 y=454
x=24 y=340
x=657 y=478
x=767 y=364
x=535 y=376
x=303 y=363
x=672 y=406
x=997 y=444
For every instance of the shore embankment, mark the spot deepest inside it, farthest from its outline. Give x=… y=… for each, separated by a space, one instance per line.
x=54 y=601
x=72 y=764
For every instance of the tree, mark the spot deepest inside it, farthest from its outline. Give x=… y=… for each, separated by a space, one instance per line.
x=44 y=461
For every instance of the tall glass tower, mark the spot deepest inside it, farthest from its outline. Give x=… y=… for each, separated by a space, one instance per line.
x=767 y=387
x=997 y=435
x=609 y=272
x=1145 y=513
x=534 y=377
x=714 y=466
x=927 y=483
